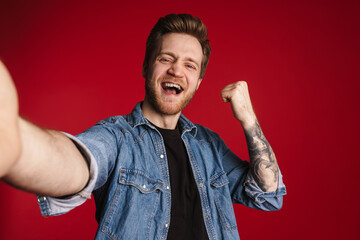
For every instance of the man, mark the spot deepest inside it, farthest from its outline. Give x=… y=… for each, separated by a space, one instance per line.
x=153 y=173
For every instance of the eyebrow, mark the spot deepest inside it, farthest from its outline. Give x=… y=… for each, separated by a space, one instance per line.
x=186 y=59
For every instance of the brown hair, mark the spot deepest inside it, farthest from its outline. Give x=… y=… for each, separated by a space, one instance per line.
x=178 y=23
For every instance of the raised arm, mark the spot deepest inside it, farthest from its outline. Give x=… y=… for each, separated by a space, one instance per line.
x=37 y=160
x=263 y=164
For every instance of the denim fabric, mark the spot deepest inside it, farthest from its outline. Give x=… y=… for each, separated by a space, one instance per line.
x=131 y=186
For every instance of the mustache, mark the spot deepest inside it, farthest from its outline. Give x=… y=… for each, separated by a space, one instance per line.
x=171 y=79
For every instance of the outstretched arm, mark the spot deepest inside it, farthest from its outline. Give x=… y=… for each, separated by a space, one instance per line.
x=10 y=143
x=36 y=160
x=263 y=164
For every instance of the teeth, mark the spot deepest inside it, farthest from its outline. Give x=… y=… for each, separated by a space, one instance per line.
x=173 y=85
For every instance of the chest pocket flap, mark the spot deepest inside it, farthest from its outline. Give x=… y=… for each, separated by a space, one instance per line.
x=219 y=180
x=140 y=180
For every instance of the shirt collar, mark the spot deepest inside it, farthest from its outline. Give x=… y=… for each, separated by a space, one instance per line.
x=136 y=118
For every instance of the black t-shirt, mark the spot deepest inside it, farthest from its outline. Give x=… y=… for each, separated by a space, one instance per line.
x=187 y=221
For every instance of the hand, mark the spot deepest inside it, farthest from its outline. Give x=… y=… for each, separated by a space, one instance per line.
x=9 y=128
x=238 y=95
x=8 y=96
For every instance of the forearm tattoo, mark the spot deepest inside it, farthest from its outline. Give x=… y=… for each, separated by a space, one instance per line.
x=263 y=163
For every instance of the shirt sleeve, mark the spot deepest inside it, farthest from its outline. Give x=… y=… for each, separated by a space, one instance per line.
x=52 y=206
x=244 y=188
x=99 y=146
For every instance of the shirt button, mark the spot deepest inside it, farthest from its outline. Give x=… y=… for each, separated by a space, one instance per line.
x=208 y=217
x=166 y=225
x=161 y=156
x=41 y=199
x=201 y=184
x=144 y=186
x=167 y=187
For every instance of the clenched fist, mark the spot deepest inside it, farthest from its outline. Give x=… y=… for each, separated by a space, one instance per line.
x=238 y=95
x=9 y=128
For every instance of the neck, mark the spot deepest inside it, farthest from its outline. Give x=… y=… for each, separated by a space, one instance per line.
x=158 y=119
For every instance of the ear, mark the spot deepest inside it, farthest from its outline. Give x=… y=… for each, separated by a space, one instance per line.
x=198 y=83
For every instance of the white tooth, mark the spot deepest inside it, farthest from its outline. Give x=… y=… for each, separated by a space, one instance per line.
x=173 y=85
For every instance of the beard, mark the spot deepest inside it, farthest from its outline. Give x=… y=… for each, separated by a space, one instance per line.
x=162 y=106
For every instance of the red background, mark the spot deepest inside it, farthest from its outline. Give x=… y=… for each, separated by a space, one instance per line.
x=76 y=63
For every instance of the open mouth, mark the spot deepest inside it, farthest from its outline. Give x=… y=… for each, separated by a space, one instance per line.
x=172 y=88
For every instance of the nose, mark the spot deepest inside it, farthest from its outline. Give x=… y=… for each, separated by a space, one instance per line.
x=176 y=70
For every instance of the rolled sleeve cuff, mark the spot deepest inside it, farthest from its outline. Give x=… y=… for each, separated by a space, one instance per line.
x=253 y=190
x=51 y=206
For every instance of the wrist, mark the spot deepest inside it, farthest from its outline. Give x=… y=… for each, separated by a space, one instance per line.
x=248 y=122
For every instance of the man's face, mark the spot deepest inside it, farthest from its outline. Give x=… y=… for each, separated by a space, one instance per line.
x=173 y=75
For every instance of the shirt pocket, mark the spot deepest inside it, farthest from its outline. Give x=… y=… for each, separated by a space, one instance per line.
x=220 y=187
x=139 y=180
x=133 y=205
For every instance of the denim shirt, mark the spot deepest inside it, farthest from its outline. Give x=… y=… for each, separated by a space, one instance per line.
x=129 y=178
